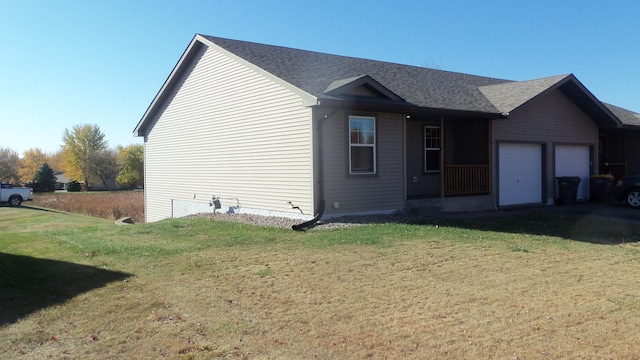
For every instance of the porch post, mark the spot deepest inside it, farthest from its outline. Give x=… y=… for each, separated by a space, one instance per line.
x=442 y=156
x=490 y=153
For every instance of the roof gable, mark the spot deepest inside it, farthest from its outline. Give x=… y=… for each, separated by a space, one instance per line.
x=582 y=97
x=187 y=56
x=195 y=46
x=360 y=86
x=508 y=96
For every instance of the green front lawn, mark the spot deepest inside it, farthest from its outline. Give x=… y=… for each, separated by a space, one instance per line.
x=526 y=287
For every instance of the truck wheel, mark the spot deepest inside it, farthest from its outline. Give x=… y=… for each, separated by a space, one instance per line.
x=15 y=200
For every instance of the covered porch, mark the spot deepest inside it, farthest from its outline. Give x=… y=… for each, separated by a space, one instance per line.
x=619 y=152
x=448 y=164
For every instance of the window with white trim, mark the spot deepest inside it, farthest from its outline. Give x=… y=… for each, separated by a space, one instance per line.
x=362 y=145
x=431 y=149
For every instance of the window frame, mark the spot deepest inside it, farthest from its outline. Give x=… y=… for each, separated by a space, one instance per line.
x=351 y=145
x=426 y=148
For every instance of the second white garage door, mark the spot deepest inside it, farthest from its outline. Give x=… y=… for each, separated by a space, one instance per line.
x=519 y=174
x=573 y=160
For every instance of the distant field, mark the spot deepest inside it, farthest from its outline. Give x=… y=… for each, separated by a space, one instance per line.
x=517 y=287
x=103 y=204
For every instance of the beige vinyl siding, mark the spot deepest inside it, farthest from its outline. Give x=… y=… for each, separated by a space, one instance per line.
x=550 y=119
x=231 y=132
x=364 y=193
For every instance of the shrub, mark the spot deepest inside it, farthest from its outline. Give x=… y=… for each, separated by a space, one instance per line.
x=74 y=186
x=45 y=180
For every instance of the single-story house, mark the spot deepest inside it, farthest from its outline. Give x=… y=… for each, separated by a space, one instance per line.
x=277 y=131
x=61 y=180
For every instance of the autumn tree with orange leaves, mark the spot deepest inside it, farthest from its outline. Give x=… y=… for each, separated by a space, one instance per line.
x=30 y=163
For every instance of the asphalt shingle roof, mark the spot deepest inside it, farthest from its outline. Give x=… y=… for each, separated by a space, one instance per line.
x=508 y=96
x=627 y=117
x=318 y=74
x=313 y=72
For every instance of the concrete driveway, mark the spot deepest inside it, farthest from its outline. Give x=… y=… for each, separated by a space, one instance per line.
x=609 y=209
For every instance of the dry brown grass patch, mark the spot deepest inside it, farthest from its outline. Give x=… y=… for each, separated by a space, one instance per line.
x=107 y=205
x=413 y=300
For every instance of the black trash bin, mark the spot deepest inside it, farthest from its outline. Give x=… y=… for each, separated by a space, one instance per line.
x=568 y=189
x=600 y=187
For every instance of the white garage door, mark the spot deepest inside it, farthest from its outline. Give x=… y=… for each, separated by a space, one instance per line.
x=573 y=160
x=519 y=174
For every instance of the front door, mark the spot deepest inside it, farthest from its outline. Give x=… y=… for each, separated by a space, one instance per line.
x=423 y=175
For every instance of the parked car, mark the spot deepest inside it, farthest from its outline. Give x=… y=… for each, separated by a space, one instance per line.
x=14 y=195
x=628 y=190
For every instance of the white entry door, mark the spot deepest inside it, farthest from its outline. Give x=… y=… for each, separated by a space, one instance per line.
x=574 y=160
x=519 y=174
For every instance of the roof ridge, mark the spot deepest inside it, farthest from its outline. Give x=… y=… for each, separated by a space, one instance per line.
x=214 y=38
x=313 y=71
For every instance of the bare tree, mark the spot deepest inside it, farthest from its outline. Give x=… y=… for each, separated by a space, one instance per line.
x=102 y=166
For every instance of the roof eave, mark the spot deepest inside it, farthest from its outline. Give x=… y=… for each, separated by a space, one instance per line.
x=402 y=107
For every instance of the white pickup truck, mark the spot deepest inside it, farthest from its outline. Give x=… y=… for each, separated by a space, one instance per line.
x=14 y=195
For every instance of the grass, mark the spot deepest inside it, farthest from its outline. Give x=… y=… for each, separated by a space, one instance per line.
x=103 y=204
x=517 y=287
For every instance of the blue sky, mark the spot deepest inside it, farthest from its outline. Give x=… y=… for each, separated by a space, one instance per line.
x=101 y=62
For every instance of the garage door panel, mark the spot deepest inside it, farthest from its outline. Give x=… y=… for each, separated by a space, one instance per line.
x=574 y=160
x=520 y=174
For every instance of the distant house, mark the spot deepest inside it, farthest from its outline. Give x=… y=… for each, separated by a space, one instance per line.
x=285 y=132
x=61 y=181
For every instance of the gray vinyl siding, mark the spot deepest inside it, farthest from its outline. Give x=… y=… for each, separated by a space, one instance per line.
x=550 y=119
x=364 y=193
x=229 y=131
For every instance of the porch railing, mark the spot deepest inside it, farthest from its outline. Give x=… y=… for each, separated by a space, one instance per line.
x=466 y=179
